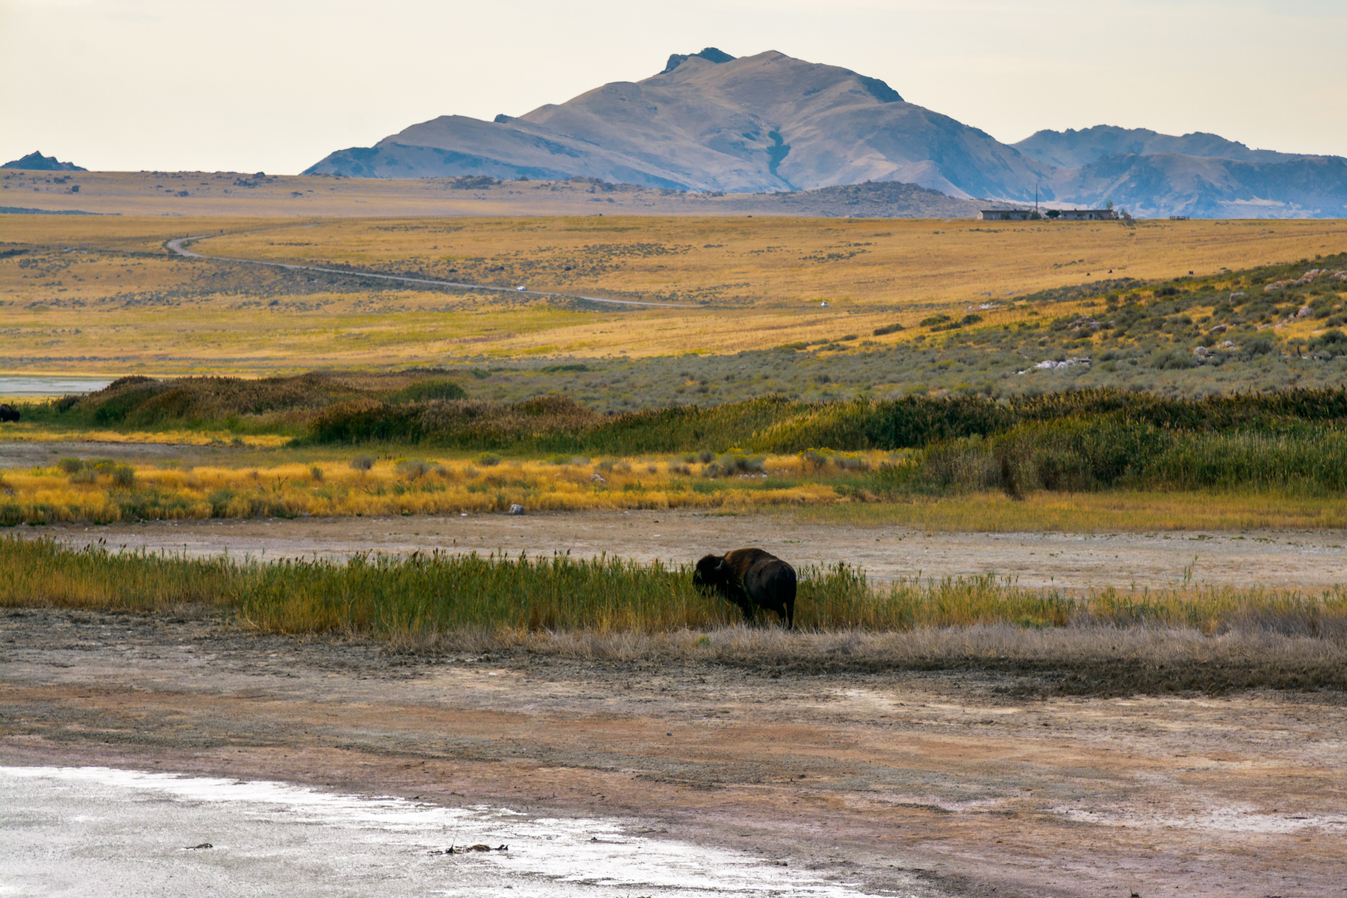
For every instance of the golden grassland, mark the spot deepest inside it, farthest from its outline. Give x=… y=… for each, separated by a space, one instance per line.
x=785 y=261
x=872 y=273
x=397 y=487
x=232 y=194
x=288 y=482
x=101 y=294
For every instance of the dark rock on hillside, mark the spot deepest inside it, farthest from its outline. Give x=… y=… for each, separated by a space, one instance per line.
x=35 y=161
x=711 y=54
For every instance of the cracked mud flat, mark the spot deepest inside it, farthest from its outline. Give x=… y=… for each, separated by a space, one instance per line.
x=897 y=783
x=132 y=832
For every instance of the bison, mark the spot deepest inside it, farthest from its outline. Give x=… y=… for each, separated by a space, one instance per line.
x=8 y=413
x=751 y=579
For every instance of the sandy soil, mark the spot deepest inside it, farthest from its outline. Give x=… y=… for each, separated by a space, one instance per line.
x=1076 y=562
x=952 y=778
x=20 y=454
x=968 y=783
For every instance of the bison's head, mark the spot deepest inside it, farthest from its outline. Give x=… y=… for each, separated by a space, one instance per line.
x=711 y=571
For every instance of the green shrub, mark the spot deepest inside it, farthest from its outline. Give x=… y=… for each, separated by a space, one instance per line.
x=428 y=391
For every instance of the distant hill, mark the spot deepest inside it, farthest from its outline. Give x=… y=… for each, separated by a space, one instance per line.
x=774 y=124
x=1201 y=175
x=1074 y=149
x=715 y=123
x=1165 y=184
x=35 y=161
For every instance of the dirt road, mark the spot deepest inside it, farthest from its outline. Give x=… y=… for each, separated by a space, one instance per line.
x=946 y=780
x=1077 y=562
x=176 y=246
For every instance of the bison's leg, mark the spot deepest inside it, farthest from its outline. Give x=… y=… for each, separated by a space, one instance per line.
x=773 y=586
x=740 y=598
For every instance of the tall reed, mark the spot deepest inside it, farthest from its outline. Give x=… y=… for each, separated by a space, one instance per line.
x=416 y=599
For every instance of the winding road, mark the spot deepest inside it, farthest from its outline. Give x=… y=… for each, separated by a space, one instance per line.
x=178 y=245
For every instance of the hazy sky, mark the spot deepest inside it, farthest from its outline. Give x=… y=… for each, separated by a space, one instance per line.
x=275 y=85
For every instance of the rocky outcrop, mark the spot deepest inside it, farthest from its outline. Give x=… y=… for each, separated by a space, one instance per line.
x=710 y=54
x=35 y=161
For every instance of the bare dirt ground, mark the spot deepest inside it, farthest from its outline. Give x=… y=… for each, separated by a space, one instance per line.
x=967 y=783
x=952 y=778
x=1076 y=562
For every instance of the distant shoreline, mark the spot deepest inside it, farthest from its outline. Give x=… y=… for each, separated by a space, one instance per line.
x=19 y=210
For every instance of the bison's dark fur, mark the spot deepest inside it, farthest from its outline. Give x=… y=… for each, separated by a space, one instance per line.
x=8 y=413
x=751 y=579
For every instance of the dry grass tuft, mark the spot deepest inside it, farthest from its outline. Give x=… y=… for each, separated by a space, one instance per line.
x=613 y=611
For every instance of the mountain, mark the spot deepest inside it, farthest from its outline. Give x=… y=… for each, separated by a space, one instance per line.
x=35 y=161
x=1199 y=175
x=711 y=122
x=1074 y=149
x=1166 y=184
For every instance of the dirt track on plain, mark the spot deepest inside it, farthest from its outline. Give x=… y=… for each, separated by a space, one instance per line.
x=874 y=778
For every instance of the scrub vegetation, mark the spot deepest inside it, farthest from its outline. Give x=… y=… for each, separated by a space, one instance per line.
x=377 y=446
x=598 y=606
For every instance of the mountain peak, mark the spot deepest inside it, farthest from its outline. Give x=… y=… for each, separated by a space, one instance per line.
x=35 y=161
x=710 y=54
x=770 y=122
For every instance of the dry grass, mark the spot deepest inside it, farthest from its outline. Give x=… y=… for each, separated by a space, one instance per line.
x=297 y=483
x=1115 y=511
x=118 y=288
x=612 y=610
x=395 y=487
x=1077 y=660
x=872 y=273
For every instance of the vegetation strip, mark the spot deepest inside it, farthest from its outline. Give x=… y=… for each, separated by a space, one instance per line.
x=554 y=454
x=611 y=608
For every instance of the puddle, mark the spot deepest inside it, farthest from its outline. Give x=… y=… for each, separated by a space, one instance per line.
x=146 y=834
x=1230 y=820
x=30 y=386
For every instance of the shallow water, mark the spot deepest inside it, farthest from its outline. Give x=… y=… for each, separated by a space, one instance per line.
x=25 y=386
x=151 y=834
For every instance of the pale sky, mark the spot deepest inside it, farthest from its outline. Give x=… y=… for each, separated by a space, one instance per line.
x=276 y=85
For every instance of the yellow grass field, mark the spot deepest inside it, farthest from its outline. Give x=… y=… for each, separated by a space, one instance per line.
x=87 y=294
x=270 y=483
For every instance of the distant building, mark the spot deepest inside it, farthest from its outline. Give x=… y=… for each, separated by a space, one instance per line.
x=1058 y=214
x=1087 y=215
